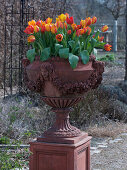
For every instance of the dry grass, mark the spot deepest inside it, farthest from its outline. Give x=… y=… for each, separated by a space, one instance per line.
x=109 y=129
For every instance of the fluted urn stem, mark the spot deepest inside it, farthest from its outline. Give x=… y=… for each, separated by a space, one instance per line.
x=62 y=126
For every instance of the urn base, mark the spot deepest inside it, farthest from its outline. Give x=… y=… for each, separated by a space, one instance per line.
x=56 y=156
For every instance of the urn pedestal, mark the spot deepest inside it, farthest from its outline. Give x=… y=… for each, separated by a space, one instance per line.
x=56 y=156
x=63 y=146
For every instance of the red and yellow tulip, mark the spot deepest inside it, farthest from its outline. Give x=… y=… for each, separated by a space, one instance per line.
x=94 y=20
x=74 y=26
x=48 y=21
x=29 y=29
x=59 y=37
x=104 y=28
x=100 y=38
x=33 y=22
x=54 y=29
x=48 y=27
x=31 y=38
x=107 y=47
x=36 y=29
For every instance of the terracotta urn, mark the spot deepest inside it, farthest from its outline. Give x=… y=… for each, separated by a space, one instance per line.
x=62 y=87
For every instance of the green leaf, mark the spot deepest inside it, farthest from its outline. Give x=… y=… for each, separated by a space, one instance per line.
x=73 y=60
x=71 y=43
x=57 y=47
x=84 y=56
x=93 y=42
x=45 y=54
x=31 y=54
x=64 y=53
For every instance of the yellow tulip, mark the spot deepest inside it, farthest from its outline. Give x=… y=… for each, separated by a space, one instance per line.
x=62 y=17
x=33 y=22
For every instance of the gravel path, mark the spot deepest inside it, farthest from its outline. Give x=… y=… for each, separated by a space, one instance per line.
x=110 y=154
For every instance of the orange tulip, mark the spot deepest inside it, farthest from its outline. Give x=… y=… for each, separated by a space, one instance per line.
x=74 y=26
x=36 y=29
x=48 y=21
x=31 y=38
x=81 y=31
x=107 y=47
x=53 y=29
x=33 y=22
x=47 y=27
x=104 y=28
x=29 y=29
x=59 y=37
x=69 y=32
x=100 y=38
x=94 y=20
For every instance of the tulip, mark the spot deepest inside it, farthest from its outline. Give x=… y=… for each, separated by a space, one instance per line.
x=78 y=33
x=59 y=24
x=89 y=30
x=47 y=27
x=59 y=37
x=65 y=25
x=43 y=29
x=36 y=29
x=79 y=27
x=33 y=22
x=67 y=15
x=104 y=28
x=57 y=19
x=81 y=31
x=100 y=38
x=74 y=26
x=29 y=29
x=94 y=20
x=85 y=29
x=48 y=21
x=107 y=47
x=53 y=29
x=70 y=20
x=69 y=32
x=62 y=17
x=88 y=21
x=83 y=23
x=39 y=23
x=31 y=38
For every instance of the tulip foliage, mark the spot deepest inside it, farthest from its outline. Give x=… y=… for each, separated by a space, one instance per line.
x=64 y=39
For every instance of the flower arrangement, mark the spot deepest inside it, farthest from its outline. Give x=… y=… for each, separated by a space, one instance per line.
x=64 y=39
